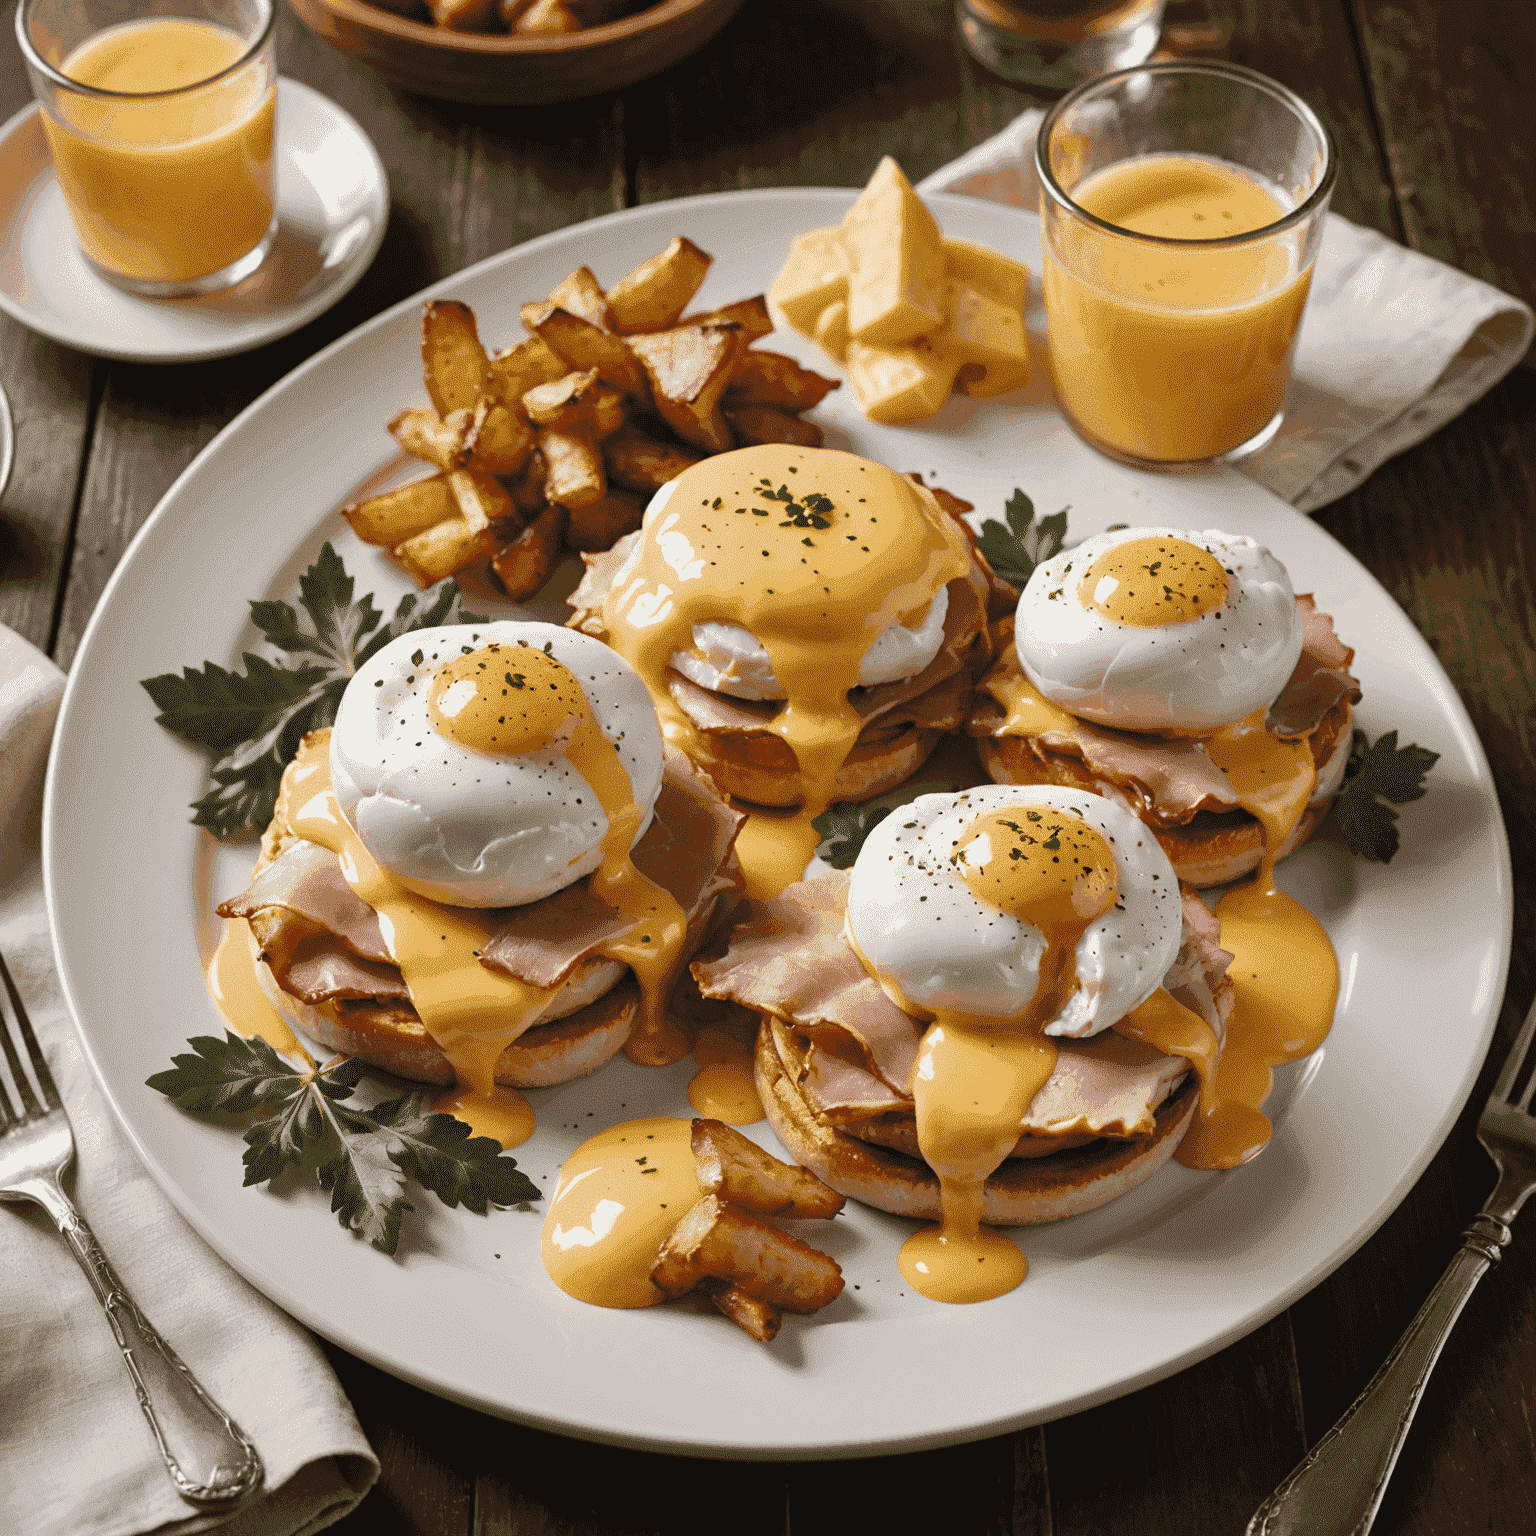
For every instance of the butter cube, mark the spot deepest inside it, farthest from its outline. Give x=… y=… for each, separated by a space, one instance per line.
x=832 y=329
x=895 y=250
x=815 y=276
x=1003 y=278
x=895 y=384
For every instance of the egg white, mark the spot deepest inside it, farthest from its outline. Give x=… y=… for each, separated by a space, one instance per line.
x=919 y=925
x=1193 y=677
x=465 y=828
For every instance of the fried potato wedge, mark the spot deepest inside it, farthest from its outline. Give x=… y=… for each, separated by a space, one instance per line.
x=639 y=461
x=502 y=439
x=577 y=403
x=573 y=468
x=395 y=516
x=772 y=378
x=526 y=488
x=654 y=295
x=761 y=1319
x=736 y=1169
x=463 y=15
x=752 y=424
x=584 y=345
x=483 y=520
x=719 y=1241
x=688 y=369
x=441 y=440
x=455 y=365
x=518 y=369
x=600 y=524
x=750 y=314
x=524 y=565
x=582 y=295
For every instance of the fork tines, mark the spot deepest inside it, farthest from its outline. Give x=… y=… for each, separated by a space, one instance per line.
x=21 y=1091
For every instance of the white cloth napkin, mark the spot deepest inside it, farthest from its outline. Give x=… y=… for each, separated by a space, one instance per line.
x=1393 y=345
x=76 y=1455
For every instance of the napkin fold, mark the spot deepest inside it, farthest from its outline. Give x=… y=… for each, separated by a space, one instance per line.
x=1392 y=346
x=77 y=1457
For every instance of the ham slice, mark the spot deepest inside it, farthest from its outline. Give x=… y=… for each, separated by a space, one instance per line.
x=1173 y=778
x=787 y=957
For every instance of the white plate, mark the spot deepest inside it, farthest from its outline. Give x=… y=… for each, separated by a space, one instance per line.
x=1114 y=1300
x=332 y=206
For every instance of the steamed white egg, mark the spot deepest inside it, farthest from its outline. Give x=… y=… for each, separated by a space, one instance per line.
x=920 y=927
x=1159 y=629
x=469 y=828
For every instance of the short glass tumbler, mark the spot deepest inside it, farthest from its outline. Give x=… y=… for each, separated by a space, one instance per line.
x=1055 y=44
x=1182 y=207
x=160 y=115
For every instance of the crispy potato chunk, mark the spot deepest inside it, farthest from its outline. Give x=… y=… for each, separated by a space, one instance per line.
x=716 y=1240
x=753 y=424
x=577 y=403
x=395 y=516
x=503 y=440
x=640 y=462
x=602 y=523
x=524 y=565
x=517 y=370
x=582 y=295
x=441 y=440
x=584 y=345
x=573 y=468
x=736 y=1169
x=761 y=1319
x=456 y=367
x=771 y=378
x=750 y=314
x=655 y=294
x=466 y=538
x=689 y=368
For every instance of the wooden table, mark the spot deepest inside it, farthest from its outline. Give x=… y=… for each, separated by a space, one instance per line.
x=1431 y=105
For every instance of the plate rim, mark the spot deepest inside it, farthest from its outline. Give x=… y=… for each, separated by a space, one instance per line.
x=702 y=1446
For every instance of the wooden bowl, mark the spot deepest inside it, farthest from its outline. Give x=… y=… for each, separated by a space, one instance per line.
x=502 y=70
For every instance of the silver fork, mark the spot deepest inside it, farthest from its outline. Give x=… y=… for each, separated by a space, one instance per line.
x=1337 y=1487
x=36 y=1145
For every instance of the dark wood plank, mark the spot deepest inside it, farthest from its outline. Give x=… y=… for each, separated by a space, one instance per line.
x=1452 y=84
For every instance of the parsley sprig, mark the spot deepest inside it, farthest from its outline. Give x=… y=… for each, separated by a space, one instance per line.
x=367 y=1156
x=251 y=722
x=1014 y=552
x=1377 y=772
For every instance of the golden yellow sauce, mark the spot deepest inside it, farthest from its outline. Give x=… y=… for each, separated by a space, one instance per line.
x=618 y=1199
x=1154 y=581
x=231 y=977
x=813 y=552
x=724 y=1087
x=1028 y=711
x=975 y=1076
x=504 y=700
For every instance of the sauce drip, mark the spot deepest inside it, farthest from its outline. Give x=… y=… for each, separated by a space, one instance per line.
x=975 y=1076
x=815 y=554
x=619 y=1196
x=231 y=978
x=724 y=1087
x=1154 y=581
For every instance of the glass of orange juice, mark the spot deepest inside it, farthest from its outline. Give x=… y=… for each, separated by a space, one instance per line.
x=160 y=115
x=1182 y=207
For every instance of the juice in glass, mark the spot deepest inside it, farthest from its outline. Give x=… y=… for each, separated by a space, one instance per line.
x=162 y=135
x=1182 y=207
x=1173 y=352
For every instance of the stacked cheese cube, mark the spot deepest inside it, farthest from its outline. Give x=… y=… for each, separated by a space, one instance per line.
x=910 y=313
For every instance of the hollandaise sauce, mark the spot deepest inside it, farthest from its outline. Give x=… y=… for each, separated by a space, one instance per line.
x=618 y=1199
x=975 y=1076
x=815 y=554
x=724 y=1088
x=501 y=701
x=231 y=978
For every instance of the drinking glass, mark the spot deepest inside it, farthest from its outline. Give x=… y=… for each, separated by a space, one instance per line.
x=1182 y=207
x=160 y=115
x=1056 y=43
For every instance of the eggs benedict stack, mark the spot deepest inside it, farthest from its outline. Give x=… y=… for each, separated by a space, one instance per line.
x=1178 y=673
x=1008 y=1013
x=488 y=873
x=809 y=624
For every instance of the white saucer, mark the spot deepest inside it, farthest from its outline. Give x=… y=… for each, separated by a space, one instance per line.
x=332 y=206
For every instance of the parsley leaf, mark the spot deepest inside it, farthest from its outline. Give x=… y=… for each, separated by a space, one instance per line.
x=844 y=826
x=1377 y=772
x=1014 y=552
x=251 y=722
x=369 y=1155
